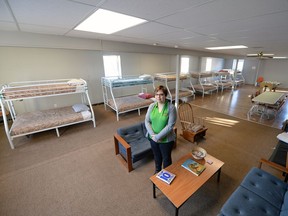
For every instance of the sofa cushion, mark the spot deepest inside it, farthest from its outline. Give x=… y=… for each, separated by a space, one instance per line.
x=132 y=133
x=266 y=186
x=244 y=202
x=284 y=208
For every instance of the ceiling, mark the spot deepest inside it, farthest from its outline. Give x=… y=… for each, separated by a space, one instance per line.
x=262 y=25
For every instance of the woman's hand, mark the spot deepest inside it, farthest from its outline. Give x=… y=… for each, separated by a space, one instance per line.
x=153 y=137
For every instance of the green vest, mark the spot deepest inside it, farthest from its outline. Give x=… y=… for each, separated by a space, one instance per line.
x=159 y=120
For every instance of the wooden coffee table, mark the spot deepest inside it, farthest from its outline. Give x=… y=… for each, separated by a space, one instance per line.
x=186 y=183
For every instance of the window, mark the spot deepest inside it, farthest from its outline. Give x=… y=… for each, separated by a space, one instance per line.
x=238 y=64
x=184 y=65
x=112 y=65
x=234 y=65
x=208 y=64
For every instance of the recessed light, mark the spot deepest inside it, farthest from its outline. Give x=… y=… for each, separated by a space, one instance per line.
x=108 y=22
x=227 y=47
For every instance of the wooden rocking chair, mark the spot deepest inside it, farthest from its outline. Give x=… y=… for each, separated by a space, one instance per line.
x=192 y=127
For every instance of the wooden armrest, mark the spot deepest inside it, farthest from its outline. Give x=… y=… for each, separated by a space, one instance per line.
x=128 y=161
x=119 y=139
x=122 y=141
x=274 y=165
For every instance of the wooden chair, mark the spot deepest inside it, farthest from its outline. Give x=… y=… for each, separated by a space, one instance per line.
x=192 y=127
x=278 y=159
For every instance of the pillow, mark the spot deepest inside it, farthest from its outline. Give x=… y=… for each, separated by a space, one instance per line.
x=80 y=107
x=145 y=76
x=283 y=137
x=145 y=95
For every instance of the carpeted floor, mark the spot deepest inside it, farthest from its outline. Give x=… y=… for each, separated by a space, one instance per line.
x=78 y=173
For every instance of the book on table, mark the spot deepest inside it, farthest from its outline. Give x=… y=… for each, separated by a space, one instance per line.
x=193 y=166
x=166 y=176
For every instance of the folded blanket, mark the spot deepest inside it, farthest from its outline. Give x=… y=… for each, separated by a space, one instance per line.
x=86 y=115
x=75 y=82
x=283 y=137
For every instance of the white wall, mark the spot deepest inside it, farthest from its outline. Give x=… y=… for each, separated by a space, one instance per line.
x=26 y=56
x=26 y=64
x=276 y=70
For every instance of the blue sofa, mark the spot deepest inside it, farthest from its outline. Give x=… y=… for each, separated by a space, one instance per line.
x=259 y=194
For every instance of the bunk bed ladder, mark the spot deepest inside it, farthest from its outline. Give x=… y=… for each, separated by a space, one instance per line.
x=91 y=108
x=114 y=101
x=5 y=120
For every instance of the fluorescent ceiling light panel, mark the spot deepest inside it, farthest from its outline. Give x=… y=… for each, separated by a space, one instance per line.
x=108 y=22
x=226 y=47
x=279 y=57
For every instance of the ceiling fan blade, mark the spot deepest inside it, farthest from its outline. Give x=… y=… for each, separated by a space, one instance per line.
x=260 y=55
x=252 y=55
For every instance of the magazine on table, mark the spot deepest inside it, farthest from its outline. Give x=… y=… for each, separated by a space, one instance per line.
x=193 y=166
x=166 y=176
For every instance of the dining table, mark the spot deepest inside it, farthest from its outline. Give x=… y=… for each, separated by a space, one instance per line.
x=266 y=99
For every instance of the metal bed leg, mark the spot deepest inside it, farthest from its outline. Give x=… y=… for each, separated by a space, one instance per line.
x=57 y=131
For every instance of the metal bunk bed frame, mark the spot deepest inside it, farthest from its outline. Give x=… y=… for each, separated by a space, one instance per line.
x=17 y=94
x=107 y=88
x=205 y=85
x=169 y=77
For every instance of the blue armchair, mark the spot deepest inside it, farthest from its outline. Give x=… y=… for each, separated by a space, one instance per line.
x=131 y=144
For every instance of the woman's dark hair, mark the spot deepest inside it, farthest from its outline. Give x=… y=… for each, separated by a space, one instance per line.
x=161 y=88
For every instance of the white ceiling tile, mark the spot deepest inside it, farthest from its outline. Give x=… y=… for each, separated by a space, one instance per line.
x=8 y=26
x=150 y=9
x=193 y=24
x=61 y=13
x=5 y=14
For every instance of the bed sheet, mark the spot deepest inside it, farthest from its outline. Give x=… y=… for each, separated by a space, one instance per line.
x=44 y=89
x=130 y=103
x=115 y=82
x=34 y=121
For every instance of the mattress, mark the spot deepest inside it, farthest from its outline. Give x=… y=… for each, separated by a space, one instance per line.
x=29 y=122
x=27 y=90
x=129 y=103
x=201 y=75
x=169 y=77
x=181 y=93
x=115 y=82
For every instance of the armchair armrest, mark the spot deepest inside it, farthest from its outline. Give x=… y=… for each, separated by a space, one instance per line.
x=119 y=140
x=276 y=166
x=273 y=165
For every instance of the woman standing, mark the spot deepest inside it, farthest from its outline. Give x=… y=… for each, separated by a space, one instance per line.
x=159 y=121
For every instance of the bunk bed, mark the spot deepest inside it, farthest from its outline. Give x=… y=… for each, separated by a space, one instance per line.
x=223 y=80
x=170 y=77
x=205 y=82
x=237 y=76
x=123 y=104
x=27 y=123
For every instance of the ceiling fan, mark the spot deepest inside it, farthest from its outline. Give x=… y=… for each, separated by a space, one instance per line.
x=260 y=55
